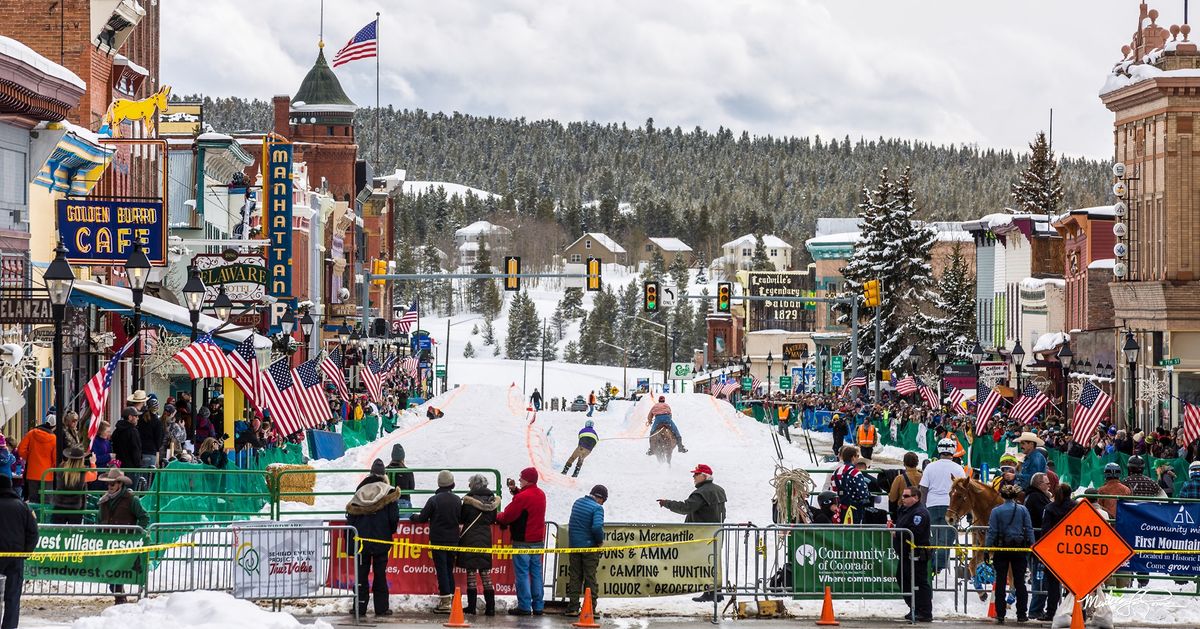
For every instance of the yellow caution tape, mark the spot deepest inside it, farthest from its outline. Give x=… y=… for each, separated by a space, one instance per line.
x=78 y=555
x=1136 y=551
x=504 y=551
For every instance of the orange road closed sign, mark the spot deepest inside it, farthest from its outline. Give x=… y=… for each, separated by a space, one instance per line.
x=1082 y=550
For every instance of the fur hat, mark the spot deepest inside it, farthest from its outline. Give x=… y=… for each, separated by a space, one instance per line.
x=445 y=479
x=529 y=475
x=477 y=481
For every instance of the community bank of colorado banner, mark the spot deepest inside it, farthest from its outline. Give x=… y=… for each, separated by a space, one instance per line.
x=1161 y=526
x=652 y=569
x=278 y=560
x=410 y=570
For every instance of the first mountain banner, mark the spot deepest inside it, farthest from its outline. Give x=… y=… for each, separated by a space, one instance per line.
x=102 y=233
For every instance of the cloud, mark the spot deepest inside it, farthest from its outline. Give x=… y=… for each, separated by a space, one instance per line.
x=935 y=70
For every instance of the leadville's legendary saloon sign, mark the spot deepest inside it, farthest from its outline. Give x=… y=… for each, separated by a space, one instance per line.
x=243 y=276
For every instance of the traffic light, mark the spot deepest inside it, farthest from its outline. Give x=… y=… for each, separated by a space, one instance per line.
x=871 y=293
x=379 y=267
x=593 y=274
x=650 y=296
x=512 y=269
x=724 y=296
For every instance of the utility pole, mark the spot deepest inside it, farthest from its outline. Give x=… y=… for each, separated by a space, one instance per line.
x=876 y=325
x=545 y=331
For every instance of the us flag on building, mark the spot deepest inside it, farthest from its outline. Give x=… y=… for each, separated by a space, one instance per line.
x=279 y=397
x=243 y=363
x=364 y=45
x=1092 y=407
x=1191 y=423
x=331 y=366
x=983 y=413
x=410 y=317
x=369 y=372
x=1031 y=403
x=906 y=386
x=310 y=394
x=96 y=390
x=202 y=358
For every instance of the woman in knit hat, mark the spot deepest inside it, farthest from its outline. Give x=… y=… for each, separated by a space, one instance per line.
x=441 y=512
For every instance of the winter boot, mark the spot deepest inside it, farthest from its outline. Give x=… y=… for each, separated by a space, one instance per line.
x=565 y=468
x=577 y=468
x=681 y=448
x=472 y=595
x=489 y=602
x=443 y=606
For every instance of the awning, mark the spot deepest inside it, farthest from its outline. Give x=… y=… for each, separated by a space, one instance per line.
x=157 y=311
x=76 y=163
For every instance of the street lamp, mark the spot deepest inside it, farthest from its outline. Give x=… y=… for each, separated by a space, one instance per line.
x=59 y=280
x=943 y=354
x=1018 y=356
x=287 y=323
x=1065 y=356
x=770 y=361
x=977 y=354
x=193 y=295
x=1131 y=349
x=343 y=334
x=307 y=325
x=137 y=269
x=223 y=305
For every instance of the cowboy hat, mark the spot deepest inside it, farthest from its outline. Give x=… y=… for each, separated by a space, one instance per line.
x=114 y=475
x=138 y=397
x=1030 y=437
x=75 y=453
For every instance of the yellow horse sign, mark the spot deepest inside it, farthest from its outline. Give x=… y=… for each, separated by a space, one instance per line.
x=145 y=110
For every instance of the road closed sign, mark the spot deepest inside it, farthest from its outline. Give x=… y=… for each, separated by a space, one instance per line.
x=1083 y=550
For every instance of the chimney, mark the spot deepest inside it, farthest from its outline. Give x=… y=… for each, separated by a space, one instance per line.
x=282 y=107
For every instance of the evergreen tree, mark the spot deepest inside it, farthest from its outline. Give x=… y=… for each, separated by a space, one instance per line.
x=485 y=295
x=956 y=306
x=432 y=292
x=469 y=350
x=656 y=267
x=558 y=324
x=759 y=260
x=524 y=328
x=474 y=329
x=496 y=349
x=406 y=262
x=489 y=332
x=549 y=349
x=571 y=352
x=598 y=328
x=1040 y=189
x=572 y=303
x=679 y=273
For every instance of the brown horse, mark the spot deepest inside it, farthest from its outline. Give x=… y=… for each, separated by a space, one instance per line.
x=662 y=445
x=971 y=497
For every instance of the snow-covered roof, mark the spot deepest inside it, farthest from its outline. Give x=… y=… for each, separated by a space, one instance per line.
x=452 y=189
x=122 y=60
x=769 y=240
x=829 y=226
x=1039 y=283
x=844 y=238
x=15 y=49
x=1106 y=263
x=1131 y=74
x=603 y=240
x=469 y=245
x=1047 y=342
x=1106 y=211
x=953 y=236
x=670 y=244
x=213 y=136
x=482 y=227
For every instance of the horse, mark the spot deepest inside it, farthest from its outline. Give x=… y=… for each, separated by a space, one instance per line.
x=662 y=444
x=971 y=497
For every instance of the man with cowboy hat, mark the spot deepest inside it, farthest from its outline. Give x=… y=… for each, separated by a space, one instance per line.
x=119 y=506
x=1035 y=460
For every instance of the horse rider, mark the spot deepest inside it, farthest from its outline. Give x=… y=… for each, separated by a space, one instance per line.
x=660 y=414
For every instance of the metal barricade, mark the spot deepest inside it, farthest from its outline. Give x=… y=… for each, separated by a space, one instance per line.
x=331 y=503
x=54 y=580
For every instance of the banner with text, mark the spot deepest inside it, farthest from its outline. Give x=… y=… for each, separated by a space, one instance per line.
x=651 y=571
x=278 y=220
x=103 y=232
x=1161 y=526
x=126 y=569
x=852 y=560
x=278 y=560
x=410 y=570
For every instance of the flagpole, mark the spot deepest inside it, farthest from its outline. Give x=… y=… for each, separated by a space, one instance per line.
x=377 y=43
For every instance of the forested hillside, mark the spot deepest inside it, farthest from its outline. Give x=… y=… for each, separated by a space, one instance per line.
x=699 y=185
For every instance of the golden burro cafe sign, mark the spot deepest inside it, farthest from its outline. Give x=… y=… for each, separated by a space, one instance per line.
x=103 y=232
x=279 y=220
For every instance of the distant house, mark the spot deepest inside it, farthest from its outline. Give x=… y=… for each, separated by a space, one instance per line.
x=496 y=236
x=669 y=248
x=740 y=252
x=595 y=245
x=419 y=255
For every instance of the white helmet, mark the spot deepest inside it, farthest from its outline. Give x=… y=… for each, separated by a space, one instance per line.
x=946 y=446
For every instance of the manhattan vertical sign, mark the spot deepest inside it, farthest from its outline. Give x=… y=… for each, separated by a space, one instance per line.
x=279 y=220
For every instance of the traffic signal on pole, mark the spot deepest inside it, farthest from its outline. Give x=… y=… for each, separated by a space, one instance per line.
x=871 y=293
x=593 y=274
x=379 y=267
x=650 y=296
x=512 y=271
x=724 y=296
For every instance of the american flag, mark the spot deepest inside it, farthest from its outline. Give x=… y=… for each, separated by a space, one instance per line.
x=364 y=45
x=1191 y=423
x=929 y=396
x=97 y=389
x=310 y=394
x=1031 y=403
x=279 y=396
x=983 y=412
x=958 y=400
x=728 y=388
x=410 y=365
x=388 y=371
x=204 y=359
x=1092 y=407
x=149 y=338
x=369 y=372
x=331 y=366
x=856 y=381
x=243 y=363
x=906 y=386
x=410 y=317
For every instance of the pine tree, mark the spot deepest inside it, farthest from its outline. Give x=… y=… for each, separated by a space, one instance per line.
x=406 y=262
x=432 y=292
x=469 y=350
x=1040 y=189
x=656 y=267
x=496 y=350
x=679 y=273
x=956 y=307
x=489 y=332
x=572 y=303
x=485 y=295
x=759 y=260
x=524 y=331
x=571 y=352
x=474 y=329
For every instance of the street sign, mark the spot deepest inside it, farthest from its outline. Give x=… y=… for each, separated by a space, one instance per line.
x=809 y=371
x=440 y=371
x=835 y=379
x=1168 y=362
x=25 y=306
x=681 y=371
x=1082 y=550
x=836 y=363
x=785 y=383
x=243 y=276
x=794 y=351
x=747 y=383
x=667 y=299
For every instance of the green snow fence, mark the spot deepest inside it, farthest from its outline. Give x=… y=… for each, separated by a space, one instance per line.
x=290 y=454
x=359 y=432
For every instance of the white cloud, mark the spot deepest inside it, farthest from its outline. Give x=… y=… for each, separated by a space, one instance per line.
x=937 y=70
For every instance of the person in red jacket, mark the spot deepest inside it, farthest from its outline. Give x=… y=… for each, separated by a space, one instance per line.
x=526 y=519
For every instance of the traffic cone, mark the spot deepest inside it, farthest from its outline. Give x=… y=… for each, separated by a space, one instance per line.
x=1077 y=616
x=456 y=613
x=992 y=604
x=827 y=618
x=585 y=613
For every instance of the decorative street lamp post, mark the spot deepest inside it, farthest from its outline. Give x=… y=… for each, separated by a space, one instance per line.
x=193 y=295
x=60 y=279
x=1065 y=356
x=1018 y=356
x=223 y=305
x=770 y=361
x=1131 y=349
x=942 y=355
x=307 y=325
x=137 y=268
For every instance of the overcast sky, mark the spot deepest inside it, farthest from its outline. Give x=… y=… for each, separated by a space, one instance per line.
x=941 y=70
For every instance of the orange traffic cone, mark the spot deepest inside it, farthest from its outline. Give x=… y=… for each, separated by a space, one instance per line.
x=1077 y=616
x=585 y=613
x=827 y=618
x=992 y=604
x=456 y=613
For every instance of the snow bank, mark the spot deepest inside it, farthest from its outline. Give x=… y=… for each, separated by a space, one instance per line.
x=1106 y=263
x=196 y=610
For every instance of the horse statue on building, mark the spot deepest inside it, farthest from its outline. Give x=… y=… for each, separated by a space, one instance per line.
x=146 y=110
